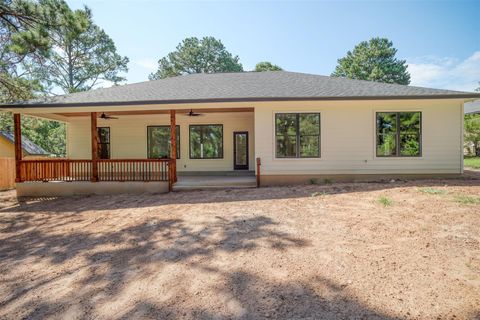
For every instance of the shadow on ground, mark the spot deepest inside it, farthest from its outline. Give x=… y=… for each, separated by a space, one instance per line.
x=104 y=263
x=250 y=297
x=64 y=258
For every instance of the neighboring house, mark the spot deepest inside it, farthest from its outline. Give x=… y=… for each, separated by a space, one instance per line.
x=7 y=154
x=287 y=127
x=472 y=107
x=29 y=149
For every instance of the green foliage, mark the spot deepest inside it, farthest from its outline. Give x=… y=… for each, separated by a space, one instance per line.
x=14 y=88
x=385 y=201
x=472 y=133
x=292 y=127
x=45 y=45
x=266 y=66
x=430 y=190
x=23 y=39
x=467 y=200
x=373 y=60
x=50 y=135
x=313 y=180
x=398 y=130
x=206 y=141
x=411 y=147
x=81 y=55
x=472 y=162
x=386 y=134
x=207 y=55
x=409 y=133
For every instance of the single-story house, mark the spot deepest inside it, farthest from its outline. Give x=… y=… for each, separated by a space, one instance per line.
x=283 y=127
x=29 y=149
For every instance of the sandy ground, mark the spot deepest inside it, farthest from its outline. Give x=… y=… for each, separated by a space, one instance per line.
x=304 y=252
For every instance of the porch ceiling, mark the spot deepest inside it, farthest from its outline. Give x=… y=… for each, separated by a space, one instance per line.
x=148 y=112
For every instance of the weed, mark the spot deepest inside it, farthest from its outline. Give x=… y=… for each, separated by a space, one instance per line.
x=327 y=181
x=385 y=201
x=465 y=199
x=313 y=180
x=430 y=190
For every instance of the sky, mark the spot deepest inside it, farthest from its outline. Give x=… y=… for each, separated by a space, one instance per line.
x=440 y=40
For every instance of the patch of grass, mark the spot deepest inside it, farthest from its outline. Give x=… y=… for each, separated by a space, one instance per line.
x=327 y=181
x=385 y=201
x=430 y=190
x=466 y=199
x=313 y=180
x=472 y=162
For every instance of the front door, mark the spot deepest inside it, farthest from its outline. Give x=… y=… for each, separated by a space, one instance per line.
x=240 y=150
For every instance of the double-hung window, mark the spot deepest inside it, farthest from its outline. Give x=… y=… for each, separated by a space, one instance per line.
x=159 y=143
x=297 y=135
x=206 y=141
x=399 y=134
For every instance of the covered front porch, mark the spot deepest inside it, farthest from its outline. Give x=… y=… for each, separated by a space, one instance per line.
x=204 y=147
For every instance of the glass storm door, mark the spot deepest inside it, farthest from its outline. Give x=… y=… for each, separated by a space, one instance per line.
x=240 y=150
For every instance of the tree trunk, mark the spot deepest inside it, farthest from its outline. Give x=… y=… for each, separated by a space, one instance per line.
x=70 y=70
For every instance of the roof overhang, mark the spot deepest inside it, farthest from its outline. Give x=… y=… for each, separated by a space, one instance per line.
x=30 y=105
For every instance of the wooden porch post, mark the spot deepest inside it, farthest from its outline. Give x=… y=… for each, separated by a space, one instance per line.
x=18 y=146
x=94 y=134
x=173 y=143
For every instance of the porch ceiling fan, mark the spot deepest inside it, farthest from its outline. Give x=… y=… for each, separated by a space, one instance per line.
x=193 y=114
x=106 y=116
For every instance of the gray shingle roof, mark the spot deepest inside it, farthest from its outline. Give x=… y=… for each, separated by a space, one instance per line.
x=246 y=86
x=27 y=145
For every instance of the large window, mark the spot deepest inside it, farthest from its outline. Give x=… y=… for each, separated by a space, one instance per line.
x=297 y=135
x=158 y=142
x=103 y=142
x=399 y=134
x=206 y=141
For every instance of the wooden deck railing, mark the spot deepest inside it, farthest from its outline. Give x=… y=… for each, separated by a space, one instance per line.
x=55 y=170
x=108 y=170
x=133 y=170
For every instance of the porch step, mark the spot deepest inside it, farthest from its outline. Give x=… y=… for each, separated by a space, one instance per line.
x=188 y=183
x=236 y=173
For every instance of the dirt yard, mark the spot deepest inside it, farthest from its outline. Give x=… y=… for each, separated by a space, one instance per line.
x=401 y=250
